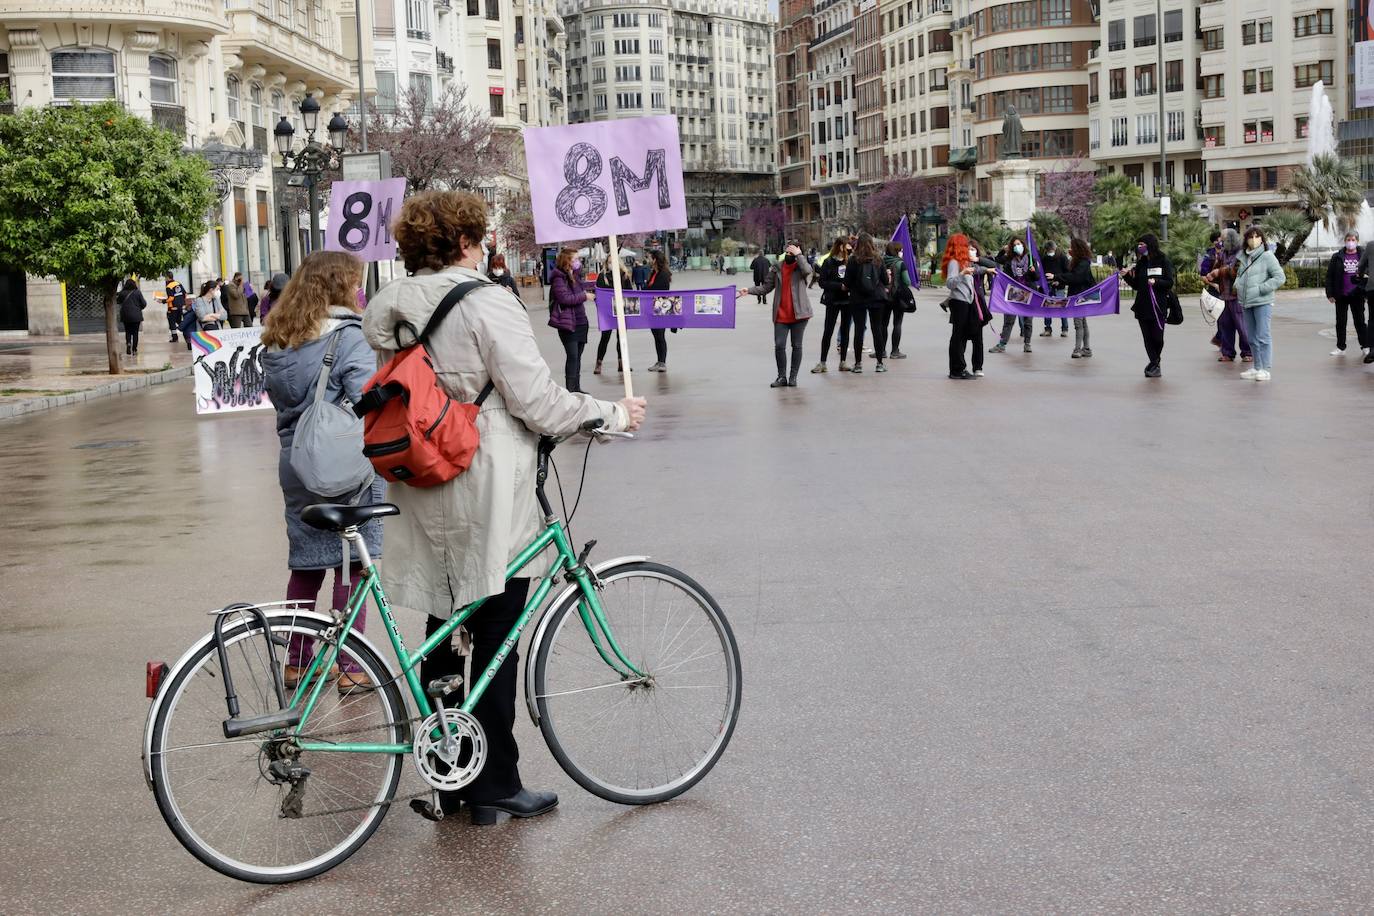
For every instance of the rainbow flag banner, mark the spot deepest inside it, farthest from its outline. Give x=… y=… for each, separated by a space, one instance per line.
x=228 y=372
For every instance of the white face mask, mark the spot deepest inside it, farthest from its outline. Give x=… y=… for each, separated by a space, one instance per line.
x=1351 y=245
x=973 y=254
x=498 y=272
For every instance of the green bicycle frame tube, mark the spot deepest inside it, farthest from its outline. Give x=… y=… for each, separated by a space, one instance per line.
x=589 y=609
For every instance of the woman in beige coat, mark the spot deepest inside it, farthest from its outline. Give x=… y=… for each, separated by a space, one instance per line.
x=451 y=543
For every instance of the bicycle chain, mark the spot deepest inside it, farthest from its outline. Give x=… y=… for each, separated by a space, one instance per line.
x=415 y=720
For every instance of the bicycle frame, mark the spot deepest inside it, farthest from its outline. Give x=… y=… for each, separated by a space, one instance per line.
x=566 y=562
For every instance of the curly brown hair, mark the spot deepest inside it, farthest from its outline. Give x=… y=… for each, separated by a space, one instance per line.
x=433 y=225
x=324 y=279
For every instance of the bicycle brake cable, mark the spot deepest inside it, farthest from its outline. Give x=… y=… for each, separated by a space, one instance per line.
x=581 y=487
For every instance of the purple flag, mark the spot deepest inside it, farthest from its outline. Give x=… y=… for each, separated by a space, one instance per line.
x=669 y=308
x=1035 y=259
x=903 y=235
x=1012 y=298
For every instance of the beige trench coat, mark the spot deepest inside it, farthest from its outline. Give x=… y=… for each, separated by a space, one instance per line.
x=451 y=544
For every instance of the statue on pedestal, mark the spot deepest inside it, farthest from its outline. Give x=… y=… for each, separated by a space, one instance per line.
x=1011 y=134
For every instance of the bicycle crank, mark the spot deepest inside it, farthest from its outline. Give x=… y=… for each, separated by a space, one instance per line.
x=450 y=751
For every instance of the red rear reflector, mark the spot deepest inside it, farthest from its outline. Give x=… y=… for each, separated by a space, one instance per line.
x=156 y=672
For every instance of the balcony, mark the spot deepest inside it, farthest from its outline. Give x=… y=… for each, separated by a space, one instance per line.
x=555 y=56
x=260 y=140
x=556 y=94
x=443 y=6
x=193 y=18
x=554 y=23
x=260 y=35
x=170 y=117
x=444 y=62
x=963 y=158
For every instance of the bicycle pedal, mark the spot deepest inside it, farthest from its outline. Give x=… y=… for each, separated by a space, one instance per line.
x=443 y=686
x=427 y=810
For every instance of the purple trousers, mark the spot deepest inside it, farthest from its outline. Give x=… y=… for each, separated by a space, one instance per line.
x=1230 y=325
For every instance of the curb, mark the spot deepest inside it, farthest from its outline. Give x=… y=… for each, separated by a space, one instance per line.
x=132 y=383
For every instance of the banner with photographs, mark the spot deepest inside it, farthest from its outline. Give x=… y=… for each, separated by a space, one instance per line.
x=669 y=308
x=1012 y=298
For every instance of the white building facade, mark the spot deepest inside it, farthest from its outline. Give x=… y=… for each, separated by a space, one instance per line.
x=834 y=139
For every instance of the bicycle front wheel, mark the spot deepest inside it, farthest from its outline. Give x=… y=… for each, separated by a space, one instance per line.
x=228 y=800
x=639 y=740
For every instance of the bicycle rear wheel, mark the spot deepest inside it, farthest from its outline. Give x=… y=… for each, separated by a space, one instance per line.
x=637 y=741
x=220 y=796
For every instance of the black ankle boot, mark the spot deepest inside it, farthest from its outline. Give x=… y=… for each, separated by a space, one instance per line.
x=524 y=803
x=779 y=382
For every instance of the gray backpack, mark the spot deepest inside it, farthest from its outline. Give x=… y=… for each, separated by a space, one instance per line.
x=327 y=452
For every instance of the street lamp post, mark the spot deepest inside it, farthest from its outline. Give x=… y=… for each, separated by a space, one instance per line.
x=311 y=161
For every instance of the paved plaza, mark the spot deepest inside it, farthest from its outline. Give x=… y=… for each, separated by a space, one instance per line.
x=1063 y=639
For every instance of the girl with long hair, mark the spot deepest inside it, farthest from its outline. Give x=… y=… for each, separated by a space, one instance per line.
x=568 y=313
x=660 y=277
x=319 y=305
x=1079 y=279
x=968 y=310
x=864 y=278
x=835 y=298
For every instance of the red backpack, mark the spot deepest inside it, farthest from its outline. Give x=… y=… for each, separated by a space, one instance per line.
x=412 y=430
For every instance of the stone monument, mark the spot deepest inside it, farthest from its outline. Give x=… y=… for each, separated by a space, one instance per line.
x=1013 y=176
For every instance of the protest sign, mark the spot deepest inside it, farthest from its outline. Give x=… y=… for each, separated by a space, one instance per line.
x=1035 y=258
x=605 y=178
x=671 y=308
x=360 y=215
x=228 y=372
x=1012 y=298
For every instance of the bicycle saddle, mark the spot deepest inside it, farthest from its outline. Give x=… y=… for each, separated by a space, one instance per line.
x=332 y=517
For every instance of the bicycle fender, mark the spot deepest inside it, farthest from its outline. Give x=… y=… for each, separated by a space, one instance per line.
x=146 y=753
x=544 y=622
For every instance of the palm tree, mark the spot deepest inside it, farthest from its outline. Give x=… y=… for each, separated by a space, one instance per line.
x=982 y=222
x=1329 y=187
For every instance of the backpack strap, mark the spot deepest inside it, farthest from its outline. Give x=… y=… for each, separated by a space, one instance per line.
x=327 y=365
x=452 y=298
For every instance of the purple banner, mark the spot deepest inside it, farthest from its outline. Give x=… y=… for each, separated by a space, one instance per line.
x=1012 y=298
x=669 y=308
x=903 y=235
x=360 y=216
x=595 y=179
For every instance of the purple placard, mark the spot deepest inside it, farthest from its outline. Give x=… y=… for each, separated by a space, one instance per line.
x=669 y=308
x=1012 y=298
x=590 y=180
x=360 y=215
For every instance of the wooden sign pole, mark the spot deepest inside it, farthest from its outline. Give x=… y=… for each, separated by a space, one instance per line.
x=620 y=316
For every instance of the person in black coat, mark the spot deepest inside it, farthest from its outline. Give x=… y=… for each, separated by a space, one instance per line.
x=660 y=278
x=835 y=298
x=131 y=305
x=1345 y=290
x=1079 y=279
x=499 y=275
x=759 y=267
x=604 y=280
x=866 y=279
x=1152 y=278
x=1056 y=267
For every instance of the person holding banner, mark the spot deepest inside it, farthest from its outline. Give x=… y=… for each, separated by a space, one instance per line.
x=451 y=543
x=1018 y=265
x=1056 y=268
x=604 y=280
x=1079 y=279
x=659 y=278
x=835 y=298
x=568 y=314
x=968 y=312
x=1152 y=278
x=901 y=297
x=791 y=311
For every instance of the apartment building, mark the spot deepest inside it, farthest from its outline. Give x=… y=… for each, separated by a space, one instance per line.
x=870 y=95
x=508 y=53
x=834 y=142
x=918 y=54
x=796 y=30
x=1126 y=84
x=1355 y=131
x=706 y=61
x=1257 y=65
x=219 y=73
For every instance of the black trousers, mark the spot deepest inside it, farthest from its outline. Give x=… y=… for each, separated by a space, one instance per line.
x=964 y=328
x=574 y=342
x=834 y=313
x=878 y=318
x=174 y=323
x=131 y=336
x=605 y=343
x=1153 y=335
x=858 y=314
x=898 y=314
x=1355 y=306
x=660 y=343
x=500 y=776
x=781 y=333
x=240 y=321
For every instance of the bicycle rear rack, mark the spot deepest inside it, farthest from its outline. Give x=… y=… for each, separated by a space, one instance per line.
x=284 y=717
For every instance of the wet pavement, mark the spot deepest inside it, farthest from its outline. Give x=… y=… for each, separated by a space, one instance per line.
x=1062 y=639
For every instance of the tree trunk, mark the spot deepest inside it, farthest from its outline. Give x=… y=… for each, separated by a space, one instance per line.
x=112 y=330
x=1290 y=251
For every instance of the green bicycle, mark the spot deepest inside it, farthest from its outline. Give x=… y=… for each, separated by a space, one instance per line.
x=633 y=679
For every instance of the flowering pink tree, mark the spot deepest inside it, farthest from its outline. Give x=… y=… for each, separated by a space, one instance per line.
x=763 y=225
x=899 y=197
x=1068 y=191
